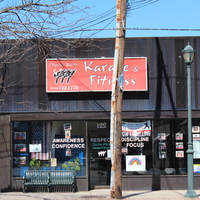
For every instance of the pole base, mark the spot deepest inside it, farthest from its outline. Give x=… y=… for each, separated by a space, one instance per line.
x=191 y=194
x=112 y=194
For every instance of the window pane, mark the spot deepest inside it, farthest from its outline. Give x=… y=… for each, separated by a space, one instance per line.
x=68 y=146
x=170 y=146
x=29 y=142
x=137 y=148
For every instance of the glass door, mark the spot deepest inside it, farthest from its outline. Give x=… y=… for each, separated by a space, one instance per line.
x=99 y=162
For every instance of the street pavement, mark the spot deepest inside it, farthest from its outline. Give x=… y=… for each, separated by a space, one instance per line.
x=98 y=194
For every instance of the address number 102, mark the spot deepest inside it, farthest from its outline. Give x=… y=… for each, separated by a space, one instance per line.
x=101 y=125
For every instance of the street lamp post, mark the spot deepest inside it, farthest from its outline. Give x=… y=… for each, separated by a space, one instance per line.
x=188 y=55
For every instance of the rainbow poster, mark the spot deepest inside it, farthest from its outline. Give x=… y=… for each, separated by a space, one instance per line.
x=136 y=163
x=196 y=168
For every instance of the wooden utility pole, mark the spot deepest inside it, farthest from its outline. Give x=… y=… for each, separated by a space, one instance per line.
x=116 y=102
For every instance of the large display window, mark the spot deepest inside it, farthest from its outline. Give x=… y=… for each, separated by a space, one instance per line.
x=30 y=148
x=136 y=150
x=56 y=145
x=148 y=146
x=137 y=147
x=68 y=146
x=171 y=144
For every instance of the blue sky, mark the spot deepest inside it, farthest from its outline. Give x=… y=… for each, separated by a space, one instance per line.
x=160 y=14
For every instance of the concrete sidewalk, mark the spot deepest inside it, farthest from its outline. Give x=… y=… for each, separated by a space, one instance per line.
x=98 y=194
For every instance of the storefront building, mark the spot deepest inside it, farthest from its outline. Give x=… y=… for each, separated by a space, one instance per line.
x=70 y=128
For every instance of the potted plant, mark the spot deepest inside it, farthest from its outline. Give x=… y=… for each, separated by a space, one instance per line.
x=37 y=164
x=74 y=165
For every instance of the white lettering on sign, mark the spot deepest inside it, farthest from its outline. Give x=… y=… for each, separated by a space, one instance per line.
x=141 y=144
x=102 y=68
x=101 y=153
x=101 y=125
x=68 y=143
x=135 y=139
x=99 y=139
x=97 y=68
x=68 y=140
x=72 y=146
x=103 y=80
x=100 y=80
x=94 y=74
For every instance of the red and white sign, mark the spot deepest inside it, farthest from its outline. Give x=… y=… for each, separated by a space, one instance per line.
x=136 y=129
x=84 y=75
x=67 y=126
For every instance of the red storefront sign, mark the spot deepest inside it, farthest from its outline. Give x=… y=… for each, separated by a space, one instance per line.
x=84 y=75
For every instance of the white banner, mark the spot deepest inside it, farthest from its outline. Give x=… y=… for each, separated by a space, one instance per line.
x=136 y=129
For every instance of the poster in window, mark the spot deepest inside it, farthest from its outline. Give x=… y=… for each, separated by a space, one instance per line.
x=67 y=134
x=196 y=148
x=125 y=134
x=161 y=136
x=124 y=150
x=68 y=152
x=136 y=163
x=179 y=136
x=108 y=153
x=179 y=145
x=19 y=135
x=162 y=145
x=179 y=154
x=53 y=162
x=35 y=148
x=162 y=154
x=136 y=129
x=19 y=160
x=196 y=168
x=67 y=126
x=196 y=136
x=19 y=147
x=196 y=129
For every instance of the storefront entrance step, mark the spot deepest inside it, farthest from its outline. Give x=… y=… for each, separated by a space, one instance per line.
x=101 y=187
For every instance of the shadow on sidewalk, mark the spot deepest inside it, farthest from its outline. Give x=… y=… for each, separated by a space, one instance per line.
x=136 y=194
x=153 y=195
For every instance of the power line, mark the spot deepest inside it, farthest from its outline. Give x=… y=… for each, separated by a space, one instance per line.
x=108 y=15
x=136 y=4
x=133 y=29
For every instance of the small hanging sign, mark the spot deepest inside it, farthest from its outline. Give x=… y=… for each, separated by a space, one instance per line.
x=121 y=81
x=67 y=126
